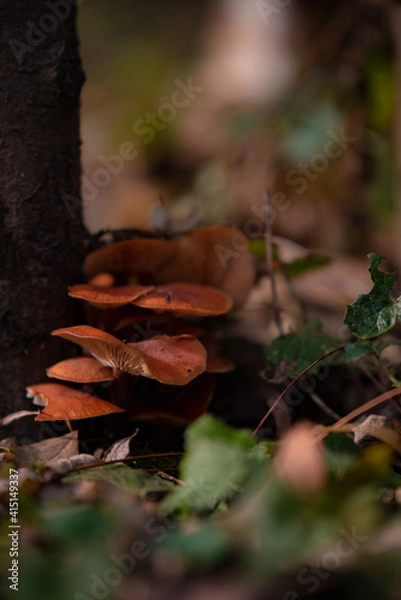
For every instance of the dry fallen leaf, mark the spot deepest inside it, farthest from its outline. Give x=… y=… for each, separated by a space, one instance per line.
x=65 y=465
x=46 y=451
x=120 y=449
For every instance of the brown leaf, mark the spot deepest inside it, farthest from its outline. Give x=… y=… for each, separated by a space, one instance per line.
x=48 y=450
x=120 y=449
x=17 y=415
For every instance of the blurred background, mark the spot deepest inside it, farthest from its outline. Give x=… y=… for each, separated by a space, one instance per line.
x=192 y=109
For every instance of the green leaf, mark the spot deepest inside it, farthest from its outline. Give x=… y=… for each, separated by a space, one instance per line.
x=258 y=247
x=131 y=480
x=203 y=548
x=379 y=347
x=341 y=453
x=302 y=265
x=374 y=313
x=217 y=462
x=358 y=349
x=294 y=352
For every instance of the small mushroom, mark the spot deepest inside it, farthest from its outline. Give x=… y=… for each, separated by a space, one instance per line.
x=62 y=403
x=108 y=297
x=83 y=369
x=140 y=257
x=103 y=280
x=214 y=256
x=167 y=359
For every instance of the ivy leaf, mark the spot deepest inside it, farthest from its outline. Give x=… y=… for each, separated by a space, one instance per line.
x=294 y=352
x=374 y=313
x=217 y=462
x=357 y=349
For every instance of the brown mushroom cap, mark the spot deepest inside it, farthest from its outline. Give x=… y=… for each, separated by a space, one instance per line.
x=186 y=300
x=63 y=403
x=219 y=364
x=103 y=280
x=172 y=360
x=178 y=358
x=215 y=256
x=110 y=297
x=109 y=350
x=83 y=369
x=141 y=257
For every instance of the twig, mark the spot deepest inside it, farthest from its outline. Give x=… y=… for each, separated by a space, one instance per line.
x=269 y=260
x=360 y=410
x=102 y=463
x=283 y=393
x=171 y=478
x=326 y=409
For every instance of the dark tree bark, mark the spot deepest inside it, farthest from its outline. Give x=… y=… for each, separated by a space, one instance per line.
x=41 y=231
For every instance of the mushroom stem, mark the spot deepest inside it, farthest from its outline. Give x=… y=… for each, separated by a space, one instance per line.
x=121 y=391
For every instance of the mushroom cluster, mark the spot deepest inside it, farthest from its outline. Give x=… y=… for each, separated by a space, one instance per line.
x=175 y=285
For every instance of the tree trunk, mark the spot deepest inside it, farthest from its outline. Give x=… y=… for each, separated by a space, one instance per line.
x=395 y=22
x=41 y=231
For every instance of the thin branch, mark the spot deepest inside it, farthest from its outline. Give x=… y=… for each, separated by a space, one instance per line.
x=102 y=463
x=323 y=406
x=288 y=387
x=360 y=410
x=164 y=475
